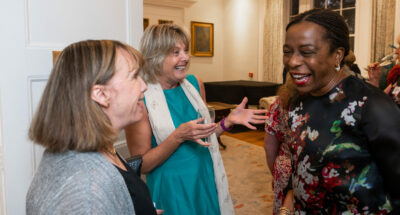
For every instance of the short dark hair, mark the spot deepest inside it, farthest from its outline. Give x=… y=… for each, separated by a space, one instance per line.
x=337 y=32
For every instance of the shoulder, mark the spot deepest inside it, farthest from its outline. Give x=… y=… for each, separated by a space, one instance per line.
x=193 y=80
x=72 y=178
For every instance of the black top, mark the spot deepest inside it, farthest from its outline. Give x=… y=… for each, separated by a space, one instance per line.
x=346 y=153
x=138 y=190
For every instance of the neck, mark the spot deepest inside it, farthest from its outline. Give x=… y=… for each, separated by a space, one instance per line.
x=338 y=77
x=165 y=85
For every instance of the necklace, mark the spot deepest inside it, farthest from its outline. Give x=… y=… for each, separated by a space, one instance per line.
x=111 y=150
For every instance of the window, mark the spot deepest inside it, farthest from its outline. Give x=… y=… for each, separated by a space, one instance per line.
x=346 y=8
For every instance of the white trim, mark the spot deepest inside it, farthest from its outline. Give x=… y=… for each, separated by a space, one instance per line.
x=171 y=3
x=397 y=22
x=3 y=193
x=362 y=36
x=261 y=12
x=35 y=148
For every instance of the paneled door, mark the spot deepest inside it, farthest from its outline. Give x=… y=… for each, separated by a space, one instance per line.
x=30 y=31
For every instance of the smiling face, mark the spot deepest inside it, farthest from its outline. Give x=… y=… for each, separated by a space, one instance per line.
x=174 y=66
x=125 y=91
x=308 y=59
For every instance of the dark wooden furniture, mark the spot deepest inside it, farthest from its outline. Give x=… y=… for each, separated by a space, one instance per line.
x=232 y=92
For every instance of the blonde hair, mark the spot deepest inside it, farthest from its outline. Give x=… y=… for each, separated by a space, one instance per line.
x=156 y=43
x=67 y=118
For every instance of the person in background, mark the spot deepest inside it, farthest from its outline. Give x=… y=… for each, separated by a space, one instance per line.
x=346 y=148
x=93 y=92
x=351 y=67
x=391 y=81
x=185 y=174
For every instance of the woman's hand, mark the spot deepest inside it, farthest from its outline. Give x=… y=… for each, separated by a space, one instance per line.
x=374 y=73
x=243 y=116
x=194 y=131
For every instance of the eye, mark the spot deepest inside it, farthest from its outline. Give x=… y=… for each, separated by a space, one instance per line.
x=286 y=51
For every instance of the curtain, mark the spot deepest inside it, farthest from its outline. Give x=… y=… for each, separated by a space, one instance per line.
x=274 y=24
x=382 y=29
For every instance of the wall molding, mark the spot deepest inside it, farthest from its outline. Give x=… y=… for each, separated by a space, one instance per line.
x=32 y=80
x=171 y=3
x=3 y=194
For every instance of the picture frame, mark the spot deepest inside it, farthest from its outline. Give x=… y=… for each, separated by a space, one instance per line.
x=164 y=21
x=146 y=23
x=202 y=44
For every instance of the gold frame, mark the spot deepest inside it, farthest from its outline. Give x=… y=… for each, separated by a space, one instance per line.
x=202 y=46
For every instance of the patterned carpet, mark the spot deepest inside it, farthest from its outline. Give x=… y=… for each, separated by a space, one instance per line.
x=248 y=176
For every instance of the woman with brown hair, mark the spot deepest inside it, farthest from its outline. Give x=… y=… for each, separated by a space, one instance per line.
x=93 y=92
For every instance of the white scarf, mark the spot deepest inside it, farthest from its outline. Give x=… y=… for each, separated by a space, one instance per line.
x=158 y=112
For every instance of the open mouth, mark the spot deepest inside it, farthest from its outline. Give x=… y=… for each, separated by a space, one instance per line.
x=180 y=67
x=300 y=79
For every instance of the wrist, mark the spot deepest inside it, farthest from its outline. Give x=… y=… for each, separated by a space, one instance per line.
x=226 y=126
x=285 y=211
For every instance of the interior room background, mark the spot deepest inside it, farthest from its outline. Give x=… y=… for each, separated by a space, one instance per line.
x=248 y=37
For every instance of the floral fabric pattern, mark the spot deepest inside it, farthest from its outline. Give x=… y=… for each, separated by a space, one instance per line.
x=337 y=155
x=276 y=124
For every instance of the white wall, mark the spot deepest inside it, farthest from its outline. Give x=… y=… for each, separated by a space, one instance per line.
x=236 y=36
x=241 y=39
x=212 y=11
x=32 y=29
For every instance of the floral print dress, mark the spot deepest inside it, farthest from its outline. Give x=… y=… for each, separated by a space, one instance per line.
x=346 y=152
x=276 y=124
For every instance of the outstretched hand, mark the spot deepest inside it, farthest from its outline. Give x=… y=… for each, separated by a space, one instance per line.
x=194 y=131
x=243 y=116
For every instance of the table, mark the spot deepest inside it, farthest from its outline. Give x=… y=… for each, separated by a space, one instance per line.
x=232 y=92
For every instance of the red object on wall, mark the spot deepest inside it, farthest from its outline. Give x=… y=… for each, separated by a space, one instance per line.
x=250 y=74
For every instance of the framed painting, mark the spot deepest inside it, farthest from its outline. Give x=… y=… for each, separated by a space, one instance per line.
x=163 y=21
x=202 y=34
x=146 y=22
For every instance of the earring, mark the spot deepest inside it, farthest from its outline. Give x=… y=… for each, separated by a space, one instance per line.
x=337 y=68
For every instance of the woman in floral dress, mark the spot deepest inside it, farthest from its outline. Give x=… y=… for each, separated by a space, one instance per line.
x=346 y=148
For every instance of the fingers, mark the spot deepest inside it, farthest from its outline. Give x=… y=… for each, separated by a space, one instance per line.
x=243 y=103
x=159 y=212
x=201 y=142
x=260 y=111
x=249 y=126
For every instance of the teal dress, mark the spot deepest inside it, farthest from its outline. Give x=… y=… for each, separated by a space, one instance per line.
x=184 y=184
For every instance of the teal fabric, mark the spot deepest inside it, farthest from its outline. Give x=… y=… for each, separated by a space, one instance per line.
x=184 y=184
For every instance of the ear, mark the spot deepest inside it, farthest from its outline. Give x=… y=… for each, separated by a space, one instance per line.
x=339 y=55
x=100 y=95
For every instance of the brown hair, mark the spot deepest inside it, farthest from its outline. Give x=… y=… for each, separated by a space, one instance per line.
x=156 y=43
x=67 y=118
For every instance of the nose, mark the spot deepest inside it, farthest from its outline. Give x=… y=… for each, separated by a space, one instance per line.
x=185 y=56
x=293 y=60
x=143 y=85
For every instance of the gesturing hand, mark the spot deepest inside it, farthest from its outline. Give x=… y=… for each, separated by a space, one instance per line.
x=243 y=116
x=194 y=131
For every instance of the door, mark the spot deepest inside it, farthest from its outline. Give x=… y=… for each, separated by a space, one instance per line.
x=30 y=31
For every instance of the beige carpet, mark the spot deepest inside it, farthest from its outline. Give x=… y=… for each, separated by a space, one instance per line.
x=249 y=177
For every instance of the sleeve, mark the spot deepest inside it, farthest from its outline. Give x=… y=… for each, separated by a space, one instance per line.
x=89 y=193
x=381 y=125
x=193 y=80
x=271 y=123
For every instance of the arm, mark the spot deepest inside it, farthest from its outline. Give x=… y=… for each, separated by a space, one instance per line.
x=243 y=116
x=381 y=125
x=138 y=138
x=239 y=115
x=271 y=147
x=374 y=74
